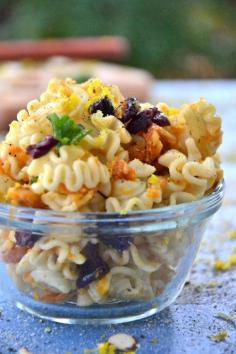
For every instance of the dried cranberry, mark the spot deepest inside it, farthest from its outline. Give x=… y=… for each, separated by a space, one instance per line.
x=43 y=147
x=143 y=120
x=107 y=236
x=131 y=108
x=150 y=112
x=26 y=238
x=160 y=119
x=104 y=105
x=94 y=268
x=141 y=123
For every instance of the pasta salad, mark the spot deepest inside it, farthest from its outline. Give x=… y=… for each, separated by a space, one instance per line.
x=86 y=148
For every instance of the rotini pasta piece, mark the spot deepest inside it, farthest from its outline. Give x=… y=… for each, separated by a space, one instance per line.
x=124 y=190
x=143 y=264
x=62 y=97
x=84 y=298
x=68 y=269
x=66 y=154
x=111 y=123
x=5 y=183
x=99 y=289
x=74 y=176
x=107 y=144
x=193 y=152
x=12 y=161
x=7 y=242
x=125 y=283
x=161 y=278
x=68 y=98
x=63 y=250
x=188 y=179
x=204 y=126
x=117 y=258
x=143 y=170
x=181 y=197
x=68 y=202
x=53 y=280
x=96 y=90
x=132 y=195
x=115 y=205
x=33 y=258
x=199 y=173
x=145 y=199
x=29 y=129
x=112 y=145
x=174 y=160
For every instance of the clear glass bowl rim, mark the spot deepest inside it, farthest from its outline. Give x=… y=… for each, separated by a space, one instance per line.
x=207 y=204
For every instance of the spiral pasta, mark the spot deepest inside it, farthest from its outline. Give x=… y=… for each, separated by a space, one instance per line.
x=80 y=173
x=87 y=149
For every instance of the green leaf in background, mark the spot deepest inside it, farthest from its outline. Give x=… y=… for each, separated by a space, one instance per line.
x=82 y=78
x=66 y=131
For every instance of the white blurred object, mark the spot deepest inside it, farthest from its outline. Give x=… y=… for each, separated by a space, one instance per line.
x=21 y=82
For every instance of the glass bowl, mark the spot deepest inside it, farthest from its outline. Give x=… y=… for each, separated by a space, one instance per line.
x=100 y=268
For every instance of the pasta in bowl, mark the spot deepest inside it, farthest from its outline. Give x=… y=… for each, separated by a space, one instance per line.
x=104 y=201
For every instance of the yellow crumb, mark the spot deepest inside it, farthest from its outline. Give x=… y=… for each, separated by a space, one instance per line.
x=232 y=234
x=153 y=179
x=219 y=337
x=232 y=259
x=221 y=265
x=106 y=348
x=212 y=284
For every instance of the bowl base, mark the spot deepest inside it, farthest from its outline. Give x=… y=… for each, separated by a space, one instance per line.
x=86 y=321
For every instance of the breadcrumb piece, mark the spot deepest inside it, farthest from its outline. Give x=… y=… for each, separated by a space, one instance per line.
x=232 y=234
x=121 y=170
x=219 y=337
x=106 y=348
x=221 y=265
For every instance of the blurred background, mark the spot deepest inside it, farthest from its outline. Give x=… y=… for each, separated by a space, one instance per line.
x=161 y=40
x=171 y=39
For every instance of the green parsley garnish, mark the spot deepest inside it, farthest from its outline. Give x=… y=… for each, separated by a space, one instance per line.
x=82 y=78
x=66 y=131
x=33 y=179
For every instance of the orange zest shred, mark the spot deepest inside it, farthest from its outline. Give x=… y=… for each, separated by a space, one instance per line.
x=103 y=285
x=62 y=189
x=81 y=197
x=20 y=154
x=27 y=277
x=163 y=182
x=49 y=296
x=153 y=193
x=121 y=170
x=23 y=195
